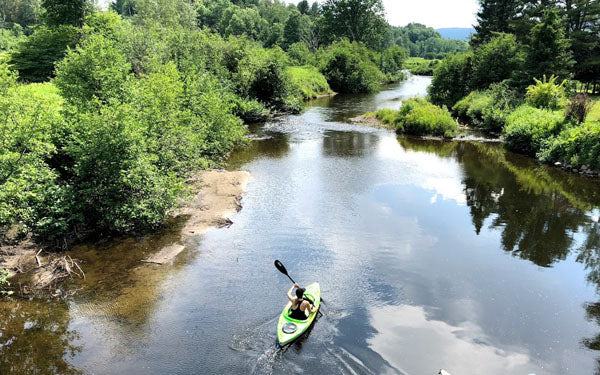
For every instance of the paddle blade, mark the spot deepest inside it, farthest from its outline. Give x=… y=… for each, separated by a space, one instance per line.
x=280 y=267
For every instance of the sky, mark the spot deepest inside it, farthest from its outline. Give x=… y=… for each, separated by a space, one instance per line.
x=433 y=13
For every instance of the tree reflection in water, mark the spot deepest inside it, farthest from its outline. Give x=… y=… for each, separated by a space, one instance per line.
x=537 y=208
x=35 y=338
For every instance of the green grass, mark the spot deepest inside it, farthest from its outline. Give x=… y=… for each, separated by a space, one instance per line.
x=45 y=90
x=308 y=82
x=594 y=115
x=419 y=117
x=421 y=66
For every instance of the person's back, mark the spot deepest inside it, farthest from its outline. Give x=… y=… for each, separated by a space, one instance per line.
x=299 y=305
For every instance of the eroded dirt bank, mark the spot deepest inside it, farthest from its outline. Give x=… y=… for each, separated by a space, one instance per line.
x=216 y=195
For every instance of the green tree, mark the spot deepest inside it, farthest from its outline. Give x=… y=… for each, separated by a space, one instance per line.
x=35 y=57
x=494 y=16
x=295 y=28
x=452 y=79
x=548 y=52
x=65 y=12
x=499 y=59
x=303 y=7
x=126 y=8
x=93 y=73
x=356 y=20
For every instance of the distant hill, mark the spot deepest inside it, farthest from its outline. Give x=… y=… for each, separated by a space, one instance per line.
x=461 y=33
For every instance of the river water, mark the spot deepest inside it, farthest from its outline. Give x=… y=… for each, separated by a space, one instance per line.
x=430 y=255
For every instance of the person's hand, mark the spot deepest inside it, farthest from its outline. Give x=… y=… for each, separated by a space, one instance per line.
x=296 y=285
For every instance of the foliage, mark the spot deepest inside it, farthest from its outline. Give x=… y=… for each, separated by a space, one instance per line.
x=10 y=39
x=496 y=61
x=578 y=108
x=299 y=54
x=92 y=73
x=494 y=16
x=451 y=79
x=422 y=41
x=356 y=20
x=349 y=68
x=594 y=114
x=576 y=146
x=65 y=12
x=548 y=52
x=421 y=66
x=546 y=93
x=487 y=109
x=35 y=57
x=4 y=282
x=391 y=62
x=307 y=82
x=527 y=128
x=419 y=117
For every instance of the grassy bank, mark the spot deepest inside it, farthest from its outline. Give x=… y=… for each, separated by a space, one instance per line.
x=308 y=82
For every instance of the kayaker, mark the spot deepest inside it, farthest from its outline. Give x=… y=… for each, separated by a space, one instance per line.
x=299 y=304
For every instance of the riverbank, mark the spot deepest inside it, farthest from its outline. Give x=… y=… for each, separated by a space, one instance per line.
x=215 y=195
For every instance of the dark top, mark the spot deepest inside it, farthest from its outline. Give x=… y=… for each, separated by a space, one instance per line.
x=298 y=313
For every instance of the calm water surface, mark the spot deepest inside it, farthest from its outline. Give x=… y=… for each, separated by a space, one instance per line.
x=430 y=254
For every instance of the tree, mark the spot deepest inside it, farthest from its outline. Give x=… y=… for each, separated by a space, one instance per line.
x=357 y=20
x=499 y=59
x=494 y=16
x=303 y=7
x=126 y=8
x=548 y=52
x=451 y=80
x=295 y=29
x=65 y=12
x=35 y=57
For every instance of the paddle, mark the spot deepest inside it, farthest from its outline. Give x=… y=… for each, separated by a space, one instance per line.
x=284 y=271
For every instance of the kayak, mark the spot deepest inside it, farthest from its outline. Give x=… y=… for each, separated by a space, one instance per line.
x=289 y=329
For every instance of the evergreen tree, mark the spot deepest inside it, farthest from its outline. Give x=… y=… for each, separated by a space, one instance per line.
x=303 y=7
x=548 y=52
x=494 y=16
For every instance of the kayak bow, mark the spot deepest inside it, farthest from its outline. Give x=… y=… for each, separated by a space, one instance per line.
x=289 y=329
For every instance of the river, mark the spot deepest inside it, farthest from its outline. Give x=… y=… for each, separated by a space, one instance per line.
x=431 y=254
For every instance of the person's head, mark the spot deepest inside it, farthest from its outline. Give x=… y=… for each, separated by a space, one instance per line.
x=300 y=292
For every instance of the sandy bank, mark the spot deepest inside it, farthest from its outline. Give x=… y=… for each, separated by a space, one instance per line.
x=219 y=194
x=216 y=194
x=369 y=121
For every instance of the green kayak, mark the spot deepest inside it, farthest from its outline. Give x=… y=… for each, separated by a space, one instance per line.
x=289 y=329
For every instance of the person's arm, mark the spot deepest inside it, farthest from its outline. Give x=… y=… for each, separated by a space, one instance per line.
x=311 y=309
x=289 y=293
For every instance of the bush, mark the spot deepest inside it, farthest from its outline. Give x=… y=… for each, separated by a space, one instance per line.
x=496 y=61
x=527 y=128
x=487 y=109
x=451 y=79
x=307 y=82
x=300 y=54
x=576 y=146
x=578 y=108
x=419 y=117
x=546 y=94
x=93 y=72
x=349 y=68
x=421 y=66
x=35 y=57
x=391 y=62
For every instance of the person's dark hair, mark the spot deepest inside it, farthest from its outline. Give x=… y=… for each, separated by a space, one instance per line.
x=300 y=292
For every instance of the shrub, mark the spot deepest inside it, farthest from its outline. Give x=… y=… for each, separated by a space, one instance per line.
x=527 y=128
x=578 y=108
x=95 y=71
x=487 y=109
x=546 y=94
x=307 y=82
x=421 y=66
x=496 y=61
x=35 y=57
x=300 y=54
x=349 y=68
x=391 y=62
x=419 y=117
x=576 y=146
x=451 y=79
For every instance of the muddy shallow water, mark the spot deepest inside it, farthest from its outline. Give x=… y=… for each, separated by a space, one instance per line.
x=430 y=254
